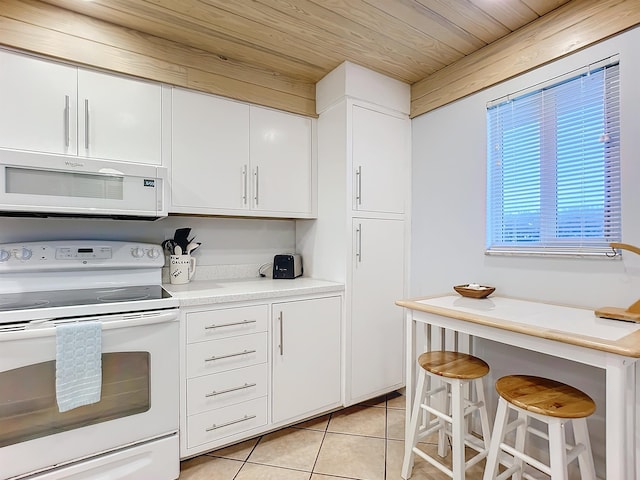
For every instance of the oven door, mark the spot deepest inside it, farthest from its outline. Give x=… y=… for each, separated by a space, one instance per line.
x=139 y=398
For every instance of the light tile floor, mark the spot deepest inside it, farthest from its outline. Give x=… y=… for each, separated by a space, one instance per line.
x=362 y=442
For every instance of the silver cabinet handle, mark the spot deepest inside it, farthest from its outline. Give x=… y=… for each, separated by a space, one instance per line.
x=67 y=120
x=359 y=243
x=359 y=185
x=229 y=355
x=232 y=422
x=256 y=175
x=243 y=322
x=244 y=185
x=228 y=390
x=86 y=123
x=281 y=333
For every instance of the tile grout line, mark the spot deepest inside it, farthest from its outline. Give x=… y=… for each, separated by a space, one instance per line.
x=245 y=460
x=324 y=435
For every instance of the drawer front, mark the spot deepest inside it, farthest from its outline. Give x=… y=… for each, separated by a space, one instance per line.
x=217 y=356
x=226 y=388
x=227 y=322
x=223 y=422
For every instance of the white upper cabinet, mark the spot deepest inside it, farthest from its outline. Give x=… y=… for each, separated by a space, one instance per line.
x=119 y=118
x=38 y=105
x=231 y=158
x=57 y=108
x=281 y=164
x=210 y=153
x=379 y=161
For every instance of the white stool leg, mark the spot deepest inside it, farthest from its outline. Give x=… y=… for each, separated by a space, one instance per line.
x=441 y=403
x=520 y=444
x=411 y=437
x=557 y=450
x=484 y=416
x=585 y=459
x=457 y=429
x=491 y=466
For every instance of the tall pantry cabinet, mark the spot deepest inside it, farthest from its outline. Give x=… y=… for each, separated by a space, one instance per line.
x=360 y=236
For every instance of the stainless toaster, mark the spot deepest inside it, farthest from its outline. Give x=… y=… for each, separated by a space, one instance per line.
x=287 y=266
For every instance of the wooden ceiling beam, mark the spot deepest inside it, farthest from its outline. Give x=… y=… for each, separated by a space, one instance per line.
x=570 y=28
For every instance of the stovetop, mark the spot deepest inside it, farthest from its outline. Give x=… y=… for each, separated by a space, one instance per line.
x=89 y=296
x=74 y=278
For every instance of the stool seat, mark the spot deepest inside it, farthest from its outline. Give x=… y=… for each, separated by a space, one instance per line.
x=453 y=365
x=548 y=402
x=545 y=397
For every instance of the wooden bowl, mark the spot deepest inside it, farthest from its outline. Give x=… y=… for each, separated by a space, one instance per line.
x=482 y=292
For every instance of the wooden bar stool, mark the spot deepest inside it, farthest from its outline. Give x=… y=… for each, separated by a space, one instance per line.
x=552 y=403
x=455 y=373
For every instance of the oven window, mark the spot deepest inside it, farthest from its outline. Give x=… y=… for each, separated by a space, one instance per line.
x=28 y=407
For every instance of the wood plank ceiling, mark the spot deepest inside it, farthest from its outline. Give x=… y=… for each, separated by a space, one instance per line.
x=286 y=45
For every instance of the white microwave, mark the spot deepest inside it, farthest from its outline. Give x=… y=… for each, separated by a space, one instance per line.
x=35 y=184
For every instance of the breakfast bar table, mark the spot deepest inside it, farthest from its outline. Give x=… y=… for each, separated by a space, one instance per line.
x=449 y=321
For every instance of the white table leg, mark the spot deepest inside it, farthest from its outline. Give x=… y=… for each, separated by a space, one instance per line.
x=620 y=455
x=410 y=371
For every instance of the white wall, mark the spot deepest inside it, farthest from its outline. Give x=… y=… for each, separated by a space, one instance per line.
x=448 y=220
x=225 y=241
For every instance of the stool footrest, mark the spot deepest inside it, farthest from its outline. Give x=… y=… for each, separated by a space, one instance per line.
x=437 y=413
x=523 y=456
x=433 y=461
x=508 y=473
x=573 y=453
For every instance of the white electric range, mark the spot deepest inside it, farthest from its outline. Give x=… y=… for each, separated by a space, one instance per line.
x=131 y=432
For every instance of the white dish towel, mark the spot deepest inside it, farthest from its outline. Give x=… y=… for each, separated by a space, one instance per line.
x=78 y=364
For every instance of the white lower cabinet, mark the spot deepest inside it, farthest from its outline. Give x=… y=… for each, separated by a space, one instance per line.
x=306 y=357
x=233 y=387
x=225 y=375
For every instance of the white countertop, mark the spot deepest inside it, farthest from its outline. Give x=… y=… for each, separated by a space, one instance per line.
x=206 y=292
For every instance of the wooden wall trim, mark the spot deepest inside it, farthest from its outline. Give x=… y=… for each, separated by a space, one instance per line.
x=570 y=28
x=47 y=30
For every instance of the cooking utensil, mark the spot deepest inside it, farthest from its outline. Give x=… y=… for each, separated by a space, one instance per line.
x=169 y=246
x=181 y=237
x=192 y=247
x=177 y=250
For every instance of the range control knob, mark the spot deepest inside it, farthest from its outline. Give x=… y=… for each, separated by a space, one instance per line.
x=23 y=254
x=153 y=253
x=4 y=255
x=137 y=252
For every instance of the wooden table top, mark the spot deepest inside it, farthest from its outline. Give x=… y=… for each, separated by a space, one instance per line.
x=571 y=325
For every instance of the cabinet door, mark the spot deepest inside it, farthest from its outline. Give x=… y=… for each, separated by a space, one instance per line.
x=377 y=325
x=119 y=118
x=38 y=104
x=306 y=357
x=281 y=161
x=380 y=161
x=210 y=153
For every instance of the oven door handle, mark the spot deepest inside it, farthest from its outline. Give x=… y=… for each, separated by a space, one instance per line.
x=47 y=328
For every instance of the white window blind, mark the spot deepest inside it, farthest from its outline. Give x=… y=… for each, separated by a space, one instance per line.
x=553 y=165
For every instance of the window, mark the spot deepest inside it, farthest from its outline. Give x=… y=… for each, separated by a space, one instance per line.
x=553 y=166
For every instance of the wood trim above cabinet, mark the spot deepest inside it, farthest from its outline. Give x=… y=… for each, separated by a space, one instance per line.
x=61 y=34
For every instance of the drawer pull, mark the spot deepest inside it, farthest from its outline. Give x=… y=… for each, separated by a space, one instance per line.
x=214 y=393
x=232 y=422
x=244 y=322
x=220 y=357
